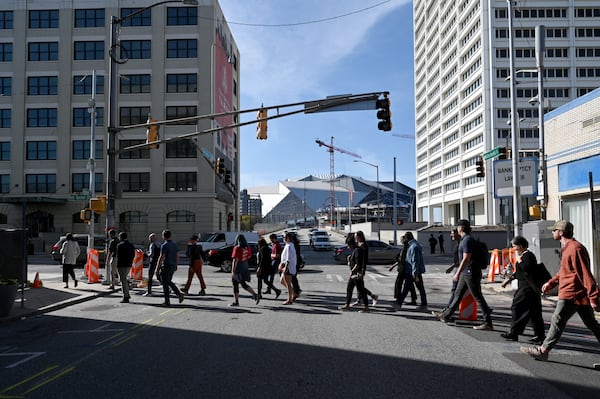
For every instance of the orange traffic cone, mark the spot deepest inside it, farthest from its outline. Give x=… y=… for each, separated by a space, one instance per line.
x=467 y=309
x=37 y=283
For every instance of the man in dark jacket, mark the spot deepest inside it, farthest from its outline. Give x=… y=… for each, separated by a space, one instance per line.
x=125 y=255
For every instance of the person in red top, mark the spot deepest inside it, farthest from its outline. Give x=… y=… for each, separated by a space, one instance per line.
x=240 y=274
x=577 y=290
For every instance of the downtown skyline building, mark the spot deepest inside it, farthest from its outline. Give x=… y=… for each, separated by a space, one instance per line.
x=463 y=94
x=175 y=60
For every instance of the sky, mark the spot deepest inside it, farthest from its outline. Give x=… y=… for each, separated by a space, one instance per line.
x=360 y=46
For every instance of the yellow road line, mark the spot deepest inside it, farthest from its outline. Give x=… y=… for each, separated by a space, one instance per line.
x=28 y=379
x=64 y=372
x=109 y=338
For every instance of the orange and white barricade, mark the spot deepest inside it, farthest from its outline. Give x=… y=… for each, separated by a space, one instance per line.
x=137 y=268
x=467 y=309
x=495 y=267
x=92 y=267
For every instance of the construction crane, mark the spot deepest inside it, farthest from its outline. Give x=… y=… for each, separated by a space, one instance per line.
x=405 y=136
x=331 y=148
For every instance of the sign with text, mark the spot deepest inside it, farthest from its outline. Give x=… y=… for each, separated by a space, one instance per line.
x=503 y=177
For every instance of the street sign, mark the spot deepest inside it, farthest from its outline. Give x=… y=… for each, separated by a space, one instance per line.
x=79 y=197
x=503 y=178
x=492 y=153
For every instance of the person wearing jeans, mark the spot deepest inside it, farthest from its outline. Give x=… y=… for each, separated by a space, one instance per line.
x=167 y=265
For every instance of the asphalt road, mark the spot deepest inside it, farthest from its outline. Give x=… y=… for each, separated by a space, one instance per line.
x=203 y=348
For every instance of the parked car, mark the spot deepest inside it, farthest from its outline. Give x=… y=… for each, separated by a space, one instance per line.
x=82 y=240
x=322 y=243
x=221 y=257
x=379 y=252
x=218 y=240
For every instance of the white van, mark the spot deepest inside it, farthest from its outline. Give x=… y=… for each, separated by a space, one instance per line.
x=218 y=240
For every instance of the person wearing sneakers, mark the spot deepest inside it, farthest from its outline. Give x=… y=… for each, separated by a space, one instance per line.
x=167 y=265
x=194 y=254
x=362 y=242
x=468 y=277
x=125 y=254
x=358 y=267
x=70 y=251
x=413 y=272
x=578 y=291
x=240 y=275
x=265 y=269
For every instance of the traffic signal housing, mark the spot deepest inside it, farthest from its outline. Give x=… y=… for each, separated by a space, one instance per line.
x=98 y=204
x=480 y=167
x=503 y=153
x=227 y=176
x=86 y=215
x=152 y=133
x=384 y=114
x=261 y=124
x=220 y=166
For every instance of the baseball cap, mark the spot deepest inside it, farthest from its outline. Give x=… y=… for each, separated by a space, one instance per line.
x=562 y=225
x=194 y=238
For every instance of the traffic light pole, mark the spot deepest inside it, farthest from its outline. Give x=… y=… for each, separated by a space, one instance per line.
x=92 y=161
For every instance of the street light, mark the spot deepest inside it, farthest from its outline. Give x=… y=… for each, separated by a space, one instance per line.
x=378 y=201
x=112 y=105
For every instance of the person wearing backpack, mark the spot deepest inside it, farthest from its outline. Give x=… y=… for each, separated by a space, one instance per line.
x=468 y=277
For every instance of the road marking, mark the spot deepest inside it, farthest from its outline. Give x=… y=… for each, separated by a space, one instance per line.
x=332 y=277
x=100 y=329
x=26 y=380
x=49 y=380
x=28 y=356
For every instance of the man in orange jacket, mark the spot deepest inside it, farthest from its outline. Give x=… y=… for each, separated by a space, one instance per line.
x=577 y=291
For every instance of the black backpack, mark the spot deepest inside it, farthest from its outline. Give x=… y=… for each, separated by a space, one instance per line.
x=480 y=255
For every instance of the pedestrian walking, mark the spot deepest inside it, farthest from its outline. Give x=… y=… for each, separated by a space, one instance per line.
x=358 y=266
x=125 y=255
x=401 y=277
x=287 y=267
x=361 y=241
x=264 y=269
x=295 y=282
x=577 y=291
x=70 y=251
x=276 y=249
x=441 y=243
x=167 y=266
x=153 y=254
x=468 y=277
x=194 y=254
x=111 y=259
x=527 y=302
x=432 y=243
x=454 y=236
x=240 y=274
x=414 y=269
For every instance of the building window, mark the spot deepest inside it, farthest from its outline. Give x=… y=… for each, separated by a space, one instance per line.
x=181 y=217
x=89 y=50
x=136 y=49
x=81 y=117
x=81 y=149
x=182 y=48
x=133 y=217
x=5 y=52
x=89 y=18
x=133 y=115
x=81 y=181
x=5 y=118
x=43 y=51
x=41 y=117
x=135 y=84
x=181 y=181
x=83 y=84
x=142 y=153
x=6 y=87
x=4 y=185
x=143 y=19
x=182 y=16
x=182 y=83
x=5 y=151
x=6 y=19
x=135 y=182
x=42 y=85
x=41 y=150
x=182 y=111
x=181 y=149
x=41 y=183
x=43 y=19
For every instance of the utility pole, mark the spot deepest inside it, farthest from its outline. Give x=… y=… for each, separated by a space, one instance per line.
x=540 y=47
x=92 y=160
x=514 y=127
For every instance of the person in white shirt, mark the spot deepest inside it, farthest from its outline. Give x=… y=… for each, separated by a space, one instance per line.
x=287 y=268
x=69 y=251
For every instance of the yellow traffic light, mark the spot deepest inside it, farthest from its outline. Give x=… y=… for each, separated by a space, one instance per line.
x=98 y=204
x=220 y=166
x=85 y=214
x=152 y=133
x=261 y=124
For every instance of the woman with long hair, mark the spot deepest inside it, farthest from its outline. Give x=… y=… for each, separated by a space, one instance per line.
x=240 y=274
x=287 y=268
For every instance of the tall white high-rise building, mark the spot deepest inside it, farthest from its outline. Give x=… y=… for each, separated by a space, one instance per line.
x=463 y=101
x=175 y=59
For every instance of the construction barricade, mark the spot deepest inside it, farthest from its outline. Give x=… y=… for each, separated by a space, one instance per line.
x=137 y=268
x=495 y=267
x=92 y=267
x=467 y=309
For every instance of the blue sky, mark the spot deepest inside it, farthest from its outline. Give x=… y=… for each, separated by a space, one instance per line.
x=367 y=51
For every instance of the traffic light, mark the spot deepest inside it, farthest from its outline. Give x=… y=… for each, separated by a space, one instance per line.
x=384 y=114
x=98 y=204
x=227 y=176
x=480 y=167
x=152 y=133
x=220 y=166
x=503 y=153
x=85 y=215
x=261 y=125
